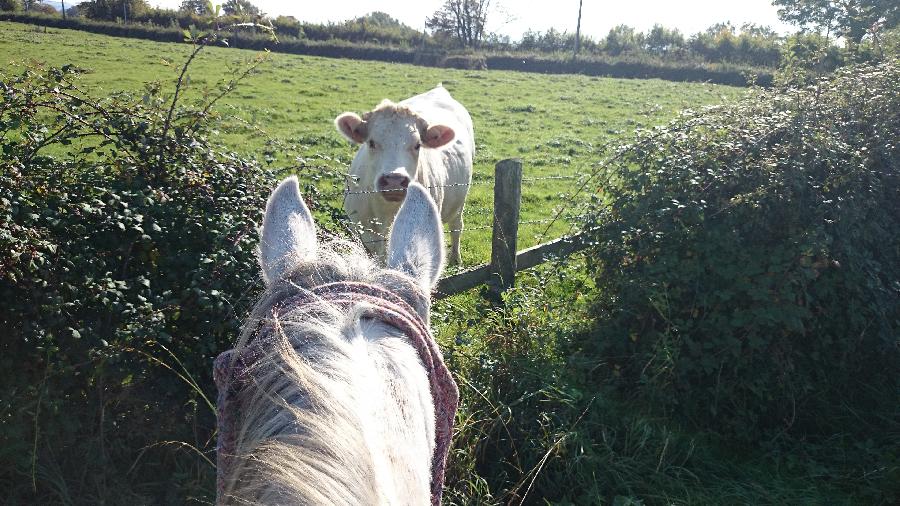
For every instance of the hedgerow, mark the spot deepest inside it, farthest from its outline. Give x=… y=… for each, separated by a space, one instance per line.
x=747 y=261
x=639 y=66
x=126 y=264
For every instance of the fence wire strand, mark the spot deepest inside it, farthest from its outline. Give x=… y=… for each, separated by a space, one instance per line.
x=583 y=180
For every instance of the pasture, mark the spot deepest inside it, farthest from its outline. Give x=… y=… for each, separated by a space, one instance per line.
x=559 y=125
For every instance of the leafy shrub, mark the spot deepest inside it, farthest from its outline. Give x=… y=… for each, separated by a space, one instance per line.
x=534 y=427
x=529 y=430
x=126 y=264
x=748 y=259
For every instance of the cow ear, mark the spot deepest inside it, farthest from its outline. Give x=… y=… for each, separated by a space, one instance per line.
x=438 y=135
x=288 y=233
x=416 y=243
x=351 y=126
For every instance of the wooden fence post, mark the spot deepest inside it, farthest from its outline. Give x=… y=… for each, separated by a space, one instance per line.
x=507 y=199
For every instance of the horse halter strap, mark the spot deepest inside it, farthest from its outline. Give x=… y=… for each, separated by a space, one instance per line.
x=230 y=369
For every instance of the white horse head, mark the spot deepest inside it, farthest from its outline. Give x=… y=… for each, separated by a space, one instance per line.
x=336 y=393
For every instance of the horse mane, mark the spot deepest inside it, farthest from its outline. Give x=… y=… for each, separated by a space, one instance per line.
x=303 y=435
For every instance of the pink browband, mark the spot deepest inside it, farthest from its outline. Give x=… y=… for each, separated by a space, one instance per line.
x=230 y=368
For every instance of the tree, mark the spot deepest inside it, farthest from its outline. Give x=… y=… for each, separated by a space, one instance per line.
x=851 y=19
x=198 y=7
x=10 y=5
x=622 y=39
x=240 y=8
x=661 y=40
x=382 y=19
x=109 y=10
x=462 y=19
x=42 y=8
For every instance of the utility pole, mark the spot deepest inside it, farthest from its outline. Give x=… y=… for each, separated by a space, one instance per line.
x=424 y=33
x=578 y=32
x=64 y=9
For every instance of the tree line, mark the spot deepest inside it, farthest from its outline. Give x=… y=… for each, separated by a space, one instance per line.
x=868 y=30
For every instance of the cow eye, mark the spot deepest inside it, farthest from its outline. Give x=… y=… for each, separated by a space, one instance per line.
x=418 y=145
x=371 y=144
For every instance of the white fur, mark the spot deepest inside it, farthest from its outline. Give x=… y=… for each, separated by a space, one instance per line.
x=341 y=412
x=395 y=132
x=288 y=233
x=416 y=246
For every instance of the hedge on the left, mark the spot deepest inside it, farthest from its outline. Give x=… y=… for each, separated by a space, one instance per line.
x=126 y=264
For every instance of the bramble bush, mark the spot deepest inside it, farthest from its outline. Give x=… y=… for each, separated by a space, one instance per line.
x=747 y=261
x=126 y=264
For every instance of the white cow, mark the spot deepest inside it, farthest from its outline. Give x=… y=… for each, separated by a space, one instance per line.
x=428 y=138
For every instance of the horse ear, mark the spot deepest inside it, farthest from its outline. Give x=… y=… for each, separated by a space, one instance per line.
x=416 y=244
x=288 y=233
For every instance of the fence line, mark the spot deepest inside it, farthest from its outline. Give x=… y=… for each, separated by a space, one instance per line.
x=499 y=273
x=506 y=260
x=465 y=229
x=347 y=190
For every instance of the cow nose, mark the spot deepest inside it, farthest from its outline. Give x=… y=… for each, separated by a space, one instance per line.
x=393 y=181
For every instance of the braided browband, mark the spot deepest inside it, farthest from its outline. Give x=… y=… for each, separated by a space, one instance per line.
x=230 y=369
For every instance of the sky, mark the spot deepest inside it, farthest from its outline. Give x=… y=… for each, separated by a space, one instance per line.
x=511 y=17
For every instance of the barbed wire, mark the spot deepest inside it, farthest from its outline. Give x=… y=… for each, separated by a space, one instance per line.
x=464 y=229
x=582 y=178
x=451 y=185
x=546 y=178
x=348 y=191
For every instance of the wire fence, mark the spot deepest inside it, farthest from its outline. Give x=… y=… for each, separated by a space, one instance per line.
x=381 y=238
x=348 y=191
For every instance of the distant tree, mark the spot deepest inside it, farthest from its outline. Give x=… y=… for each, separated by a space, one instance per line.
x=73 y=11
x=623 y=39
x=240 y=8
x=10 y=5
x=383 y=20
x=288 y=25
x=198 y=7
x=109 y=10
x=461 y=19
x=755 y=30
x=850 y=19
x=42 y=8
x=661 y=40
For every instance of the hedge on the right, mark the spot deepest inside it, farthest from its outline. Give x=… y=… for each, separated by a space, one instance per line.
x=747 y=262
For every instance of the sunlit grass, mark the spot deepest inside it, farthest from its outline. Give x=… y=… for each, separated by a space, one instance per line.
x=557 y=124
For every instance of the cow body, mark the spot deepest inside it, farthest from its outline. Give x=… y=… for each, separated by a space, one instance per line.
x=428 y=138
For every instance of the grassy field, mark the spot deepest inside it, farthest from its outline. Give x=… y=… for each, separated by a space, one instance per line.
x=557 y=124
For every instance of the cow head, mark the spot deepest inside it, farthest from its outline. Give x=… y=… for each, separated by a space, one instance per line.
x=391 y=138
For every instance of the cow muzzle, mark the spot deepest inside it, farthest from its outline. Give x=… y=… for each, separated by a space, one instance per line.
x=392 y=187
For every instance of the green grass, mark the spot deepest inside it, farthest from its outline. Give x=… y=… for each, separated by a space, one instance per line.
x=557 y=124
